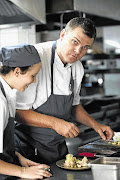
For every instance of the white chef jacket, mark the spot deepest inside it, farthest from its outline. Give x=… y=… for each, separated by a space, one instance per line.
x=7 y=108
x=38 y=93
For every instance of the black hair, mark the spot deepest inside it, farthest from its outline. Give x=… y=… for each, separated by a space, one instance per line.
x=85 y=23
x=6 y=69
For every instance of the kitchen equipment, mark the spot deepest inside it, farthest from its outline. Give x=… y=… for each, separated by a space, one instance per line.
x=96 y=149
x=88 y=154
x=100 y=147
x=111 y=145
x=105 y=168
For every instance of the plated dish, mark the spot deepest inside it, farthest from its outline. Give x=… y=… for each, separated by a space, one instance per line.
x=60 y=164
x=73 y=163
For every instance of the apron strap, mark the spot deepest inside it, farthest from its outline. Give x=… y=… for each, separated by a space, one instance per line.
x=52 y=62
x=71 y=82
x=3 y=91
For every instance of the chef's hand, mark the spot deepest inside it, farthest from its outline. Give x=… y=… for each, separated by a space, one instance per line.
x=35 y=172
x=104 y=131
x=24 y=161
x=66 y=129
x=32 y=169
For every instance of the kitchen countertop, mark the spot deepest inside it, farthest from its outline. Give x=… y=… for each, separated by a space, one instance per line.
x=62 y=174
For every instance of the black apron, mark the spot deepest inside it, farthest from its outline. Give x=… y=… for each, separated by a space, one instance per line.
x=8 y=154
x=44 y=144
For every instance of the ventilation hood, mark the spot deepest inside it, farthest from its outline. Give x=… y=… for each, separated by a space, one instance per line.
x=103 y=13
x=108 y=9
x=22 y=11
x=51 y=14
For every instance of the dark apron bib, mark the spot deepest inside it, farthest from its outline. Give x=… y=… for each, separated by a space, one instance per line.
x=49 y=146
x=8 y=154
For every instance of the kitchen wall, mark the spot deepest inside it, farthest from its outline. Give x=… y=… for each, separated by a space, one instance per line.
x=18 y=35
x=111 y=36
x=111 y=44
x=44 y=36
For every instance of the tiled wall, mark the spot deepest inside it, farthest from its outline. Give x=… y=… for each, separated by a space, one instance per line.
x=18 y=35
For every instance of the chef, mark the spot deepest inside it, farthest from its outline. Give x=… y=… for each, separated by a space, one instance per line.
x=56 y=96
x=20 y=66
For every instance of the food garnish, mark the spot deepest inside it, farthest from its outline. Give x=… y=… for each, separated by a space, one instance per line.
x=73 y=162
x=115 y=143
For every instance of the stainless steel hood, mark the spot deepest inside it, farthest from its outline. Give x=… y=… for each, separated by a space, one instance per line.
x=21 y=11
x=108 y=9
x=103 y=13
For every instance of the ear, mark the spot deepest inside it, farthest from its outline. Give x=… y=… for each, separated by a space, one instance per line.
x=17 y=71
x=62 y=34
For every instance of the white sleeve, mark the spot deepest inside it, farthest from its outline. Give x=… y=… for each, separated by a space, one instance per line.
x=3 y=117
x=78 y=72
x=25 y=100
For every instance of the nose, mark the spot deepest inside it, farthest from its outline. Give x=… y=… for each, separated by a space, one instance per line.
x=78 y=49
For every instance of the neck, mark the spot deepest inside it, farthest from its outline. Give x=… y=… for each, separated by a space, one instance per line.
x=58 y=49
x=7 y=80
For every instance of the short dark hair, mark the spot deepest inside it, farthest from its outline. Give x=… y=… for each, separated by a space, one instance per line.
x=6 y=69
x=85 y=23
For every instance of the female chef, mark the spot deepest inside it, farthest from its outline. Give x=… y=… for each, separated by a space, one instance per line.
x=20 y=65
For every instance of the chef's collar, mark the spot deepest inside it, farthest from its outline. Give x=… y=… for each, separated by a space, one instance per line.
x=19 y=56
x=60 y=62
x=8 y=90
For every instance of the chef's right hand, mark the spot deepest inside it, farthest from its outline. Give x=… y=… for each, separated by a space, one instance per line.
x=66 y=129
x=35 y=172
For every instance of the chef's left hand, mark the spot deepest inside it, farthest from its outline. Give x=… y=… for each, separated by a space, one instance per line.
x=104 y=131
x=25 y=162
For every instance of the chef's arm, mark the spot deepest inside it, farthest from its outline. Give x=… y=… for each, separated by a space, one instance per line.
x=32 y=118
x=83 y=117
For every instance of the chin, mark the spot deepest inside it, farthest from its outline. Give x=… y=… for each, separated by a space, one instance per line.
x=21 y=90
x=72 y=61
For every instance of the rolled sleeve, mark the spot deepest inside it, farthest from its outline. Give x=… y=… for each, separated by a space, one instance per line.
x=3 y=117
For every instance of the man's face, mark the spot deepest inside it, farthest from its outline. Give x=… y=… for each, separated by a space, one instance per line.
x=73 y=45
